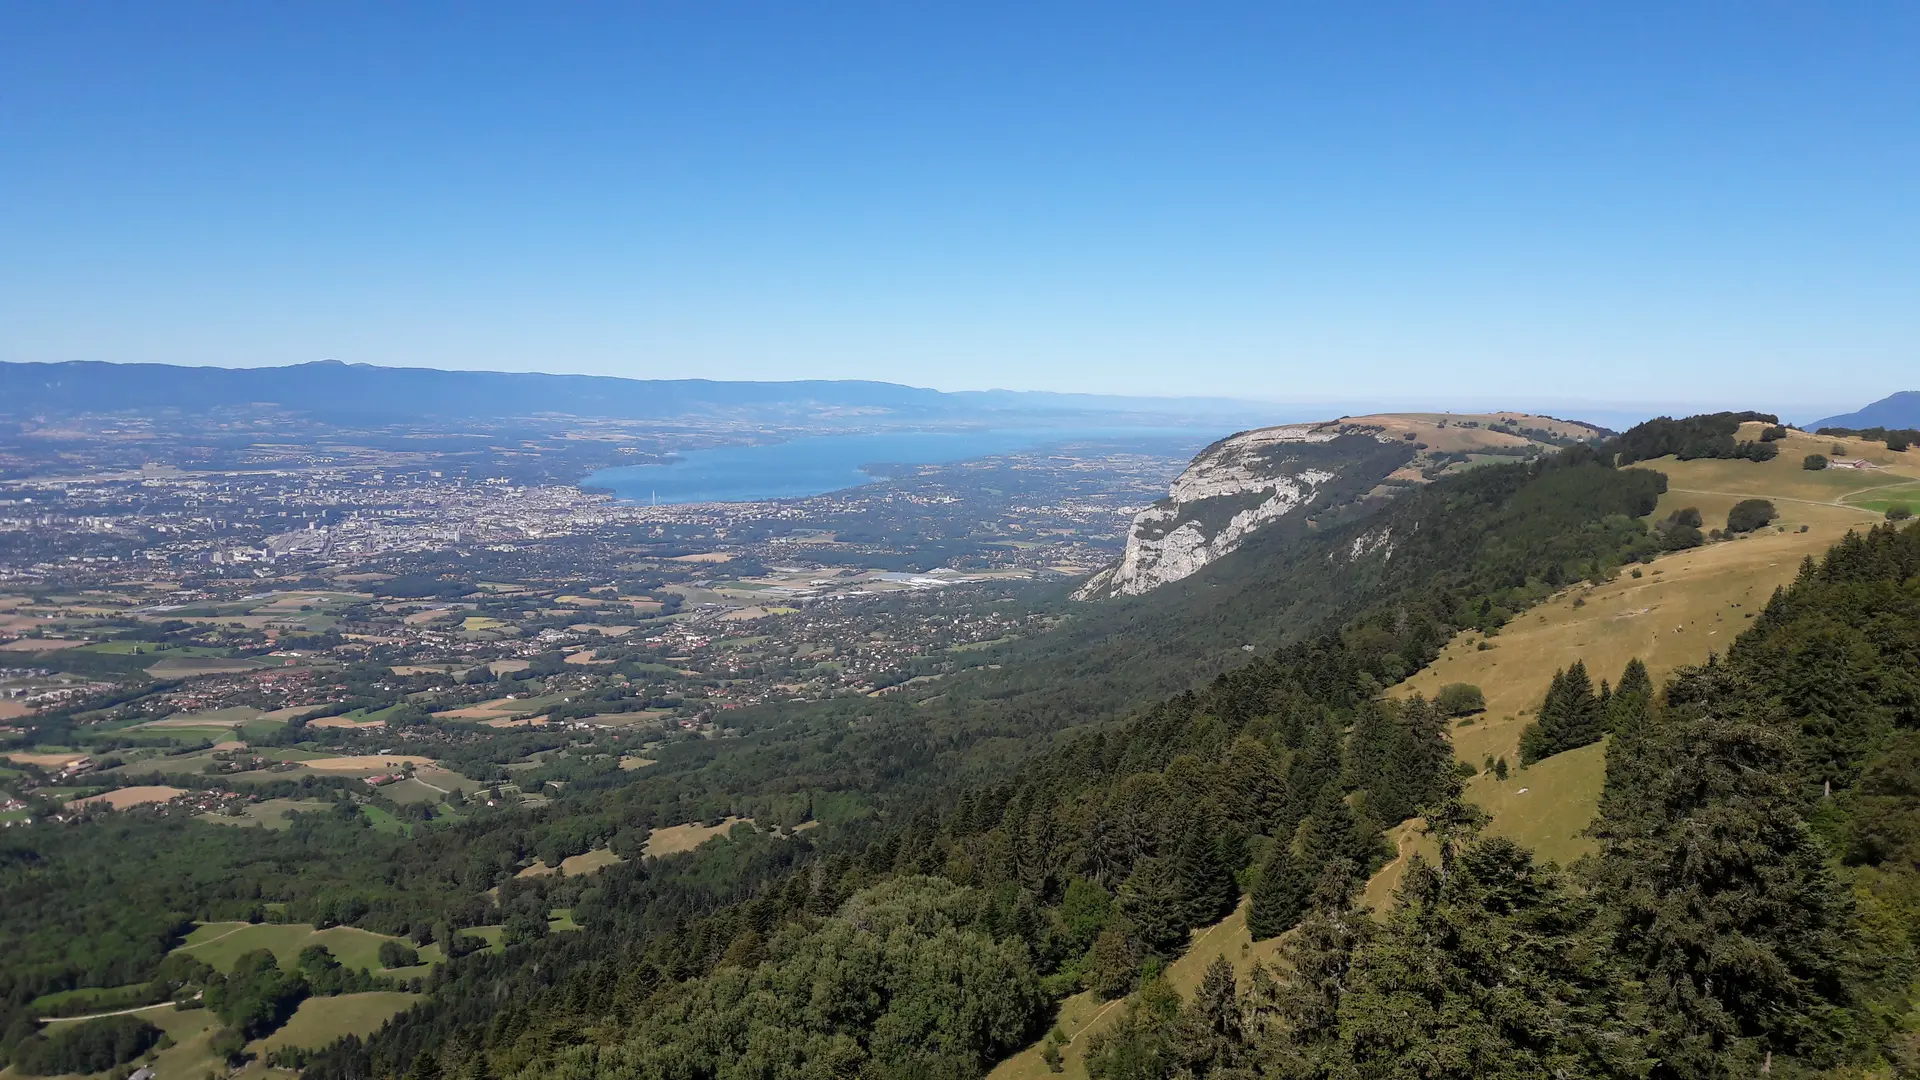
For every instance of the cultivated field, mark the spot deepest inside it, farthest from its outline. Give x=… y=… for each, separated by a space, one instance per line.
x=212 y=718
x=45 y=760
x=121 y=798
x=368 y=763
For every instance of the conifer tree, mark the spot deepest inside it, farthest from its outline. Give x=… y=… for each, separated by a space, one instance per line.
x=1332 y=834
x=1478 y=972
x=1570 y=717
x=1216 y=1039
x=1631 y=769
x=1317 y=765
x=1370 y=747
x=1422 y=760
x=1720 y=896
x=1115 y=962
x=1206 y=881
x=1279 y=895
x=1155 y=904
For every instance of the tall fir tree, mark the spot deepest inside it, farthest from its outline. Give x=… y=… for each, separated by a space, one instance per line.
x=1370 y=749
x=1631 y=769
x=1279 y=894
x=1156 y=905
x=1422 y=761
x=1207 y=887
x=1570 y=717
x=1316 y=766
x=1331 y=834
x=1480 y=971
x=1719 y=894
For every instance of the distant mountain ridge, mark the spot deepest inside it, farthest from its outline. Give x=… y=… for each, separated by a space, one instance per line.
x=1901 y=410
x=329 y=388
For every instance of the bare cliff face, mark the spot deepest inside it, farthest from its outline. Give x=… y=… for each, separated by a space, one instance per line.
x=1250 y=480
x=1232 y=488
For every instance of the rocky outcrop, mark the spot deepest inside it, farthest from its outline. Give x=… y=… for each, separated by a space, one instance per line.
x=1246 y=482
x=1232 y=488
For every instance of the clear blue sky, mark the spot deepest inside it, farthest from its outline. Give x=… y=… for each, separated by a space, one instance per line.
x=1450 y=202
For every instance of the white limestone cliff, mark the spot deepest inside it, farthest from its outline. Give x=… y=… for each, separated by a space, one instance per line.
x=1232 y=488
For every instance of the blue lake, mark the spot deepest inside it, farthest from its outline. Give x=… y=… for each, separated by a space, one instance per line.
x=823 y=463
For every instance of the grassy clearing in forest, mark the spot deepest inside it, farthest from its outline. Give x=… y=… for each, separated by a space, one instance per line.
x=1084 y=1013
x=675 y=839
x=220 y=944
x=270 y=813
x=321 y=1020
x=1684 y=606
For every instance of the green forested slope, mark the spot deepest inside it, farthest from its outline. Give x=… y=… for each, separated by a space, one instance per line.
x=1751 y=909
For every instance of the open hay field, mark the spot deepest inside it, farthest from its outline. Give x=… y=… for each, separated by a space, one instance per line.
x=1684 y=606
x=525 y=721
x=320 y=1020
x=1548 y=805
x=34 y=645
x=485 y=710
x=45 y=760
x=631 y=761
x=121 y=798
x=427 y=669
x=1881 y=499
x=367 y=763
x=165 y=764
x=429 y=784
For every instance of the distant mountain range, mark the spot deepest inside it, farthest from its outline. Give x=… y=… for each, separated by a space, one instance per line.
x=330 y=389
x=1899 y=411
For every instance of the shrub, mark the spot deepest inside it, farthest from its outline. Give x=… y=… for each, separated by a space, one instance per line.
x=1460 y=699
x=1773 y=434
x=1814 y=462
x=395 y=955
x=1750 y=514
x=1899 y=512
